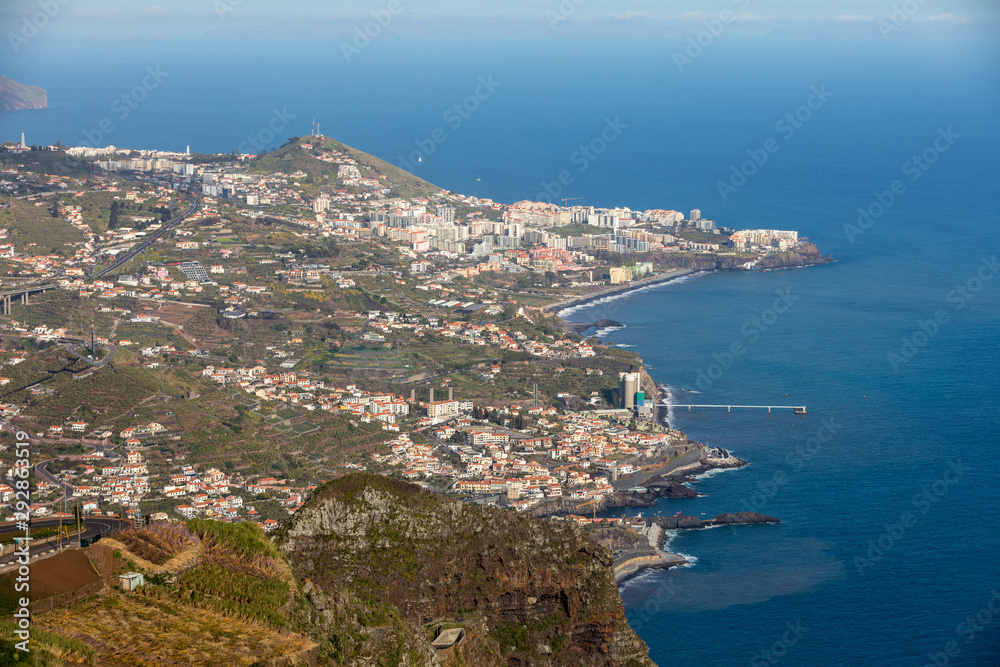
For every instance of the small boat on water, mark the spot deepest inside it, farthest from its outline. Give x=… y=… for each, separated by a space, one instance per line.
x=678 y=514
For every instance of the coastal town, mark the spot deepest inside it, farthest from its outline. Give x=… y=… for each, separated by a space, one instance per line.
x=320 y=284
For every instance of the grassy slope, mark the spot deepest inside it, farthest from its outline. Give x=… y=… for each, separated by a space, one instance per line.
x=292 y=157
x=236 y=603
x=29 y=223
x=56 y=163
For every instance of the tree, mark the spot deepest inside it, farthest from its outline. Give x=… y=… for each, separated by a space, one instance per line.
x=113 y=217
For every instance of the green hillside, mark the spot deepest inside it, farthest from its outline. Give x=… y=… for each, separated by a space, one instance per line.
x=293 y=157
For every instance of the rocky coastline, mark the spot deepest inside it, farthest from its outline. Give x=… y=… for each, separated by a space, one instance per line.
x=683 y=264
x=672 y=482
x=630 y=563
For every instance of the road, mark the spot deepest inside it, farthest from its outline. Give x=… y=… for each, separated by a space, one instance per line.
x=147 y=241
x=74 y=348
x=41 y=472
x=103 y=526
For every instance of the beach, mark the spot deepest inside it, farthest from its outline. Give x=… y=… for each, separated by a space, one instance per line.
x=614 y=290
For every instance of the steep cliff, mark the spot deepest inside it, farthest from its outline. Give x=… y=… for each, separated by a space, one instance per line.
x=15 y=96
x=389 y=564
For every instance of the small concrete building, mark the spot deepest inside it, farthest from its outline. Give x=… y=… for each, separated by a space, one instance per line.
x=448 y=638
x=131 y=581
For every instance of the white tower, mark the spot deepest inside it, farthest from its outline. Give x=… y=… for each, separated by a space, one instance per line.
x=23 y=145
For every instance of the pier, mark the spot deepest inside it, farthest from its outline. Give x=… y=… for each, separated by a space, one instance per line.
x=798 y=409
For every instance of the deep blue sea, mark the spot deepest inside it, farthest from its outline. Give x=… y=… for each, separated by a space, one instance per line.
x=889 y=550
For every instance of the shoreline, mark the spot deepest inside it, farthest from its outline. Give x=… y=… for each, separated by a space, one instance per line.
x=667 y=276
x=707 y=459
x=661 y=560
x=615 y=290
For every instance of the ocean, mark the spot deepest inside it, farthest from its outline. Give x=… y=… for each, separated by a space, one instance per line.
x=887 y=553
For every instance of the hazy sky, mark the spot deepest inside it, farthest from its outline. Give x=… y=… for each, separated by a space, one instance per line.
x=109 y=19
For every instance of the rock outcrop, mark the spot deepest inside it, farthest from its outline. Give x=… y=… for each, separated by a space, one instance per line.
x=683 y=522
x=15 y=96
x=805 y=255
x=387 y=563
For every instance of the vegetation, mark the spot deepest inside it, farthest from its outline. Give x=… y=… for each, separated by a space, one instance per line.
x=292 y=157
x=166 y=633
x=158 y=542
x=34 y=225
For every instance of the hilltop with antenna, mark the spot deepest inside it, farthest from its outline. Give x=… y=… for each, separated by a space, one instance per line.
x=321 y=157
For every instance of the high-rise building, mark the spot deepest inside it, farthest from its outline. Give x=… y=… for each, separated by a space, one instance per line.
x=448 y=213
x=695 y=214
x=628 y=387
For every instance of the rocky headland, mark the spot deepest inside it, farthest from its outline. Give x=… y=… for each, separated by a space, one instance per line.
x=15 y=96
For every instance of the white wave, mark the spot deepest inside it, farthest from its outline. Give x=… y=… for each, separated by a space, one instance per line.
x=713 y=526
x=600 y=333
x=691 y=560
x=668 y=537
x=623 y=345
x=669 y=398
x=714 y=471
x=614 y=297
x=642 y=577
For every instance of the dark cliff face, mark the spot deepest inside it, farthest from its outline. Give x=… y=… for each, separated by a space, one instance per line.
x=387 y=563
x=15 y=96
